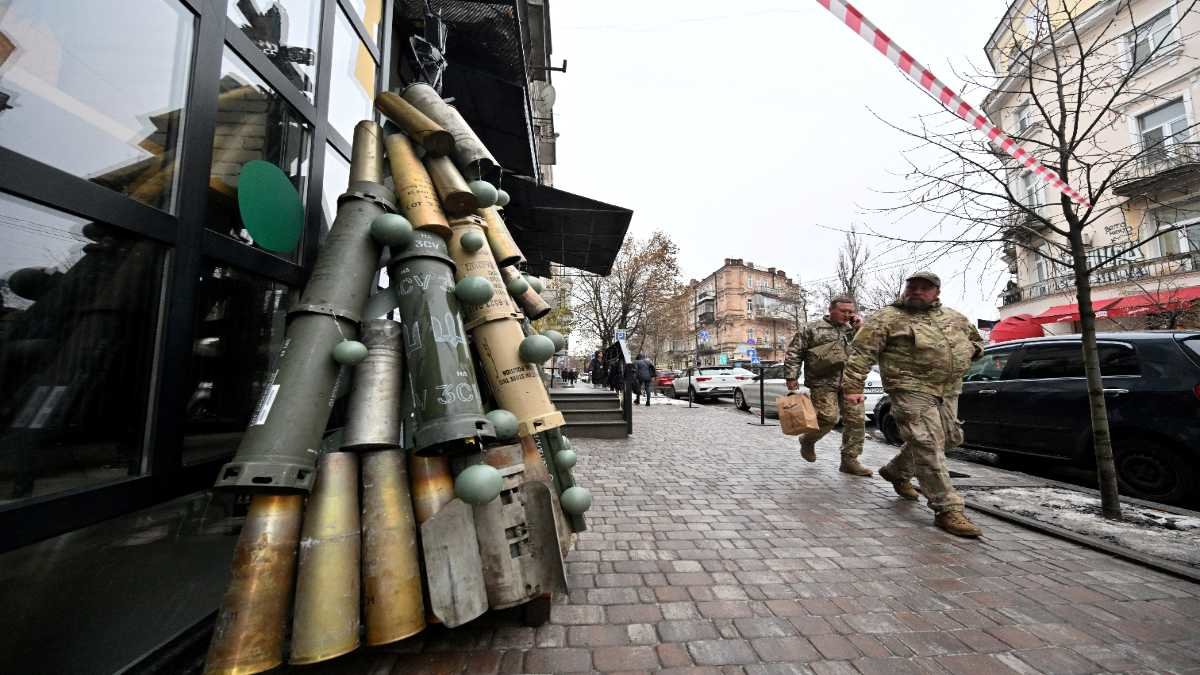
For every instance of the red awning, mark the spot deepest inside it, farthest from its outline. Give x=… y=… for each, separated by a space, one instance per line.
x=1016 y=328
x=1063 y=313
x=1154 y=303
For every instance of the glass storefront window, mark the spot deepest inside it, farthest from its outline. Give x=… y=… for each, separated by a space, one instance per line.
x=371 y=13
x=240 y=321
x=79 y=304
x=97 y=89
x=337 y=178
x=351 y=80
x=286 y=31
x=253 y=123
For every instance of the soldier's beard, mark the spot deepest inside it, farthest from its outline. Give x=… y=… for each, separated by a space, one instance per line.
x=915 y=303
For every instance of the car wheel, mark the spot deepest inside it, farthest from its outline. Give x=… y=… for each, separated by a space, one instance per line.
x=674 y=393
x=739 y=401
x=1152 y=471
x=692 y=393
x=886 y=422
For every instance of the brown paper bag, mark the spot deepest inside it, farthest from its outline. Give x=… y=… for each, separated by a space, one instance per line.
x=796 y=414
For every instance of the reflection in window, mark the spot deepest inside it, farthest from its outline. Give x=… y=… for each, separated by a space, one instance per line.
x=286 y=32
x=97 y=89
x=253 y=122
x=78 y=307
x=337 y=178
x=352 y=80
x=239 y=328
x=371 y=13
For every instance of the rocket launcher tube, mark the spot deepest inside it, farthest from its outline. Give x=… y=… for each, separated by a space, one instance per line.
x=446 y=408
x=500 y=239
x=373 y=414
x=415 y=193
x=470 y=154
x=279 y=448
x=533 y=305
x=431 y=136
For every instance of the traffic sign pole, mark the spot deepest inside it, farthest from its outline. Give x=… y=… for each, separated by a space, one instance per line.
x=762 y=399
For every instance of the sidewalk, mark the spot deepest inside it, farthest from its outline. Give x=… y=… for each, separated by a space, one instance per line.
x=713 y=548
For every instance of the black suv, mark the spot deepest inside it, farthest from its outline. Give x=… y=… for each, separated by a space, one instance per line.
x=1029 y=397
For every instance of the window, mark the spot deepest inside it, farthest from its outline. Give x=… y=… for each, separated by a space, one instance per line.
x=1024 y=116
x=352 y=79
x=79 y=306
x=97 y=89
x=1031 y=190
x=371 y=13
x=335 y=182
x=1150 y=38
x=1171 y=242
x=1162 y=128
x=1051 y=361
x=750 y=335
x=1047 y=265
x=1117 y=360
x=286 y=32
x=989 y=366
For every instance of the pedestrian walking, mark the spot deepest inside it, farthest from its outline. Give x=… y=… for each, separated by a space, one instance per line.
x=821 y=348
x=596 y=367
x=923 y=350
x=644 y=368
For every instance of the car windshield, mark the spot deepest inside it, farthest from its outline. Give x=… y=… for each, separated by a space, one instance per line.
x=716 y=371
x=742 y=372
x=1193 y=344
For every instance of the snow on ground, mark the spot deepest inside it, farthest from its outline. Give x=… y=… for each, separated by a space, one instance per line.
x=1152 y=532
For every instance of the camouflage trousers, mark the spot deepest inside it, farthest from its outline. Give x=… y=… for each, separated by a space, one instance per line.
x=929 y=426
x=830 y=407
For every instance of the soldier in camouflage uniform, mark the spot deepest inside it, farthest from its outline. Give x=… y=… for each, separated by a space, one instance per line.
x=822 y=348
x=923 y=349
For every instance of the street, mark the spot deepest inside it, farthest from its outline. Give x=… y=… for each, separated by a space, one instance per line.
x=712 y=548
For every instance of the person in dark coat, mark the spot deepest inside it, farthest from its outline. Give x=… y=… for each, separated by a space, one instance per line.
x=644 y=370
x=597 y=369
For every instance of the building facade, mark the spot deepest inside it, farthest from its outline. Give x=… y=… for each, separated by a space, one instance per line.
x=737 y=312
x=1152 y=285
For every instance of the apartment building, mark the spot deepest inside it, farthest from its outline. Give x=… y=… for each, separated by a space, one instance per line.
x=1153 y=285
x=738 y=311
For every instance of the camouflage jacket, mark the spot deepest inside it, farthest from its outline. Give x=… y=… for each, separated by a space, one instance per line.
x=822 y=348
x=923 y=351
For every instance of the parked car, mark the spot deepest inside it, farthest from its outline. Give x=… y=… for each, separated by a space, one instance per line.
x=1028 y=398
x=746 y=396
x=662 y=380
x=705 y=382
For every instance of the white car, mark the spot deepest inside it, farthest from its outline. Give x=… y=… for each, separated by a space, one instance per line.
x=746 y=394
x=709 y=381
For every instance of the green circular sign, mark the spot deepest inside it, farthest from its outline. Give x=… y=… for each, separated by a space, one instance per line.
x=270 y=206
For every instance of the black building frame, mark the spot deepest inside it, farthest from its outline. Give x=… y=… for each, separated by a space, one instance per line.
x=190 y=243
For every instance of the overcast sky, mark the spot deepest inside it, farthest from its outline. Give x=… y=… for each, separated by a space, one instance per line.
x=742 y=128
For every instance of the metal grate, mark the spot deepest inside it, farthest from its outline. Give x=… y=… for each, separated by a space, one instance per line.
x=483 y=35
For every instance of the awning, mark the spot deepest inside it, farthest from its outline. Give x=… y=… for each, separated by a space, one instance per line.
x=1066 y=313
x=1154 y=303
x=1015 y=328
x=551 y=225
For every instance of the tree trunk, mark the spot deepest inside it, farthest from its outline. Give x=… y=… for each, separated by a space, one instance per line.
x=1101 y=440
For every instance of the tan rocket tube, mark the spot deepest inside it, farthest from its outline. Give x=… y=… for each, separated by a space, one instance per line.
x=457 y=199
x=415 y=194
x=531 y=302
x=500 y=239
x=394 y=604
x=432 y=485
x=430 y=134
x=325 y=619
x=248 y=637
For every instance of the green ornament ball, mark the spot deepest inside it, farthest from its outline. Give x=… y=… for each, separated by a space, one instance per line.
x=536 y=349
x=478 y=484
x=392 y=229
x=560 y=342
x=504 y=422
x=349 y=352
x=485 y=193
x=502 y=198
x=535 y=283
x=517 y=286
x=472 y=241
x=565 y=459
x=575 y=500
x=473 y=290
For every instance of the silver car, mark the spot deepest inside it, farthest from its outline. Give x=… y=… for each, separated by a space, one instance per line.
x=746 y=394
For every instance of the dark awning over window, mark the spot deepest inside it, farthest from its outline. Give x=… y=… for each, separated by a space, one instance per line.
x=551 y=225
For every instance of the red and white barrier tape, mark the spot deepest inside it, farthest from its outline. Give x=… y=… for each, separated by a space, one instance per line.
x=858 y=23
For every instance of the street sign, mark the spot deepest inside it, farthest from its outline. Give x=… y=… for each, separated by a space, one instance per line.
x=621 y=333
x=754 y=360
x=704 y=335
x=724 y=360
x=750 y=341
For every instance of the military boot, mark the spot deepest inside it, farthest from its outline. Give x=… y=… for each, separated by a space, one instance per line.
x=902 y=487
x=852 y=466
x=808 y=450
x=957 y=524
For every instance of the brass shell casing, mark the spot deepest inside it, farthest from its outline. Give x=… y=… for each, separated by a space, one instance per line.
x=457 y=199
x=532 y=304
x=366 y=161
x=504 y=247
x=432 y=485
x=416 y=124
x=325 y=618
x=248 y=637
x=394 y=606
x=373 y=414
x=516 y=385
x=416 y=196
x=480 y=263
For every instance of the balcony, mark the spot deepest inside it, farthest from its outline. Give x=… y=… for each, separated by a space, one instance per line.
x=706 y=317
x=1117 y=272
x=1164 y=168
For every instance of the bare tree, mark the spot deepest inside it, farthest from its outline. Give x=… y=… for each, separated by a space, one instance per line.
x=882 y=289
x=853 y=259
x=1073 y=74
x=634 y=296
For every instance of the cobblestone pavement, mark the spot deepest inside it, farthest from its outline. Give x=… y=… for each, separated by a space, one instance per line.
x=713 y=548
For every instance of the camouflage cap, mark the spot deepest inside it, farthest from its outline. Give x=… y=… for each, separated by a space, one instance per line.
x=927 y=276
